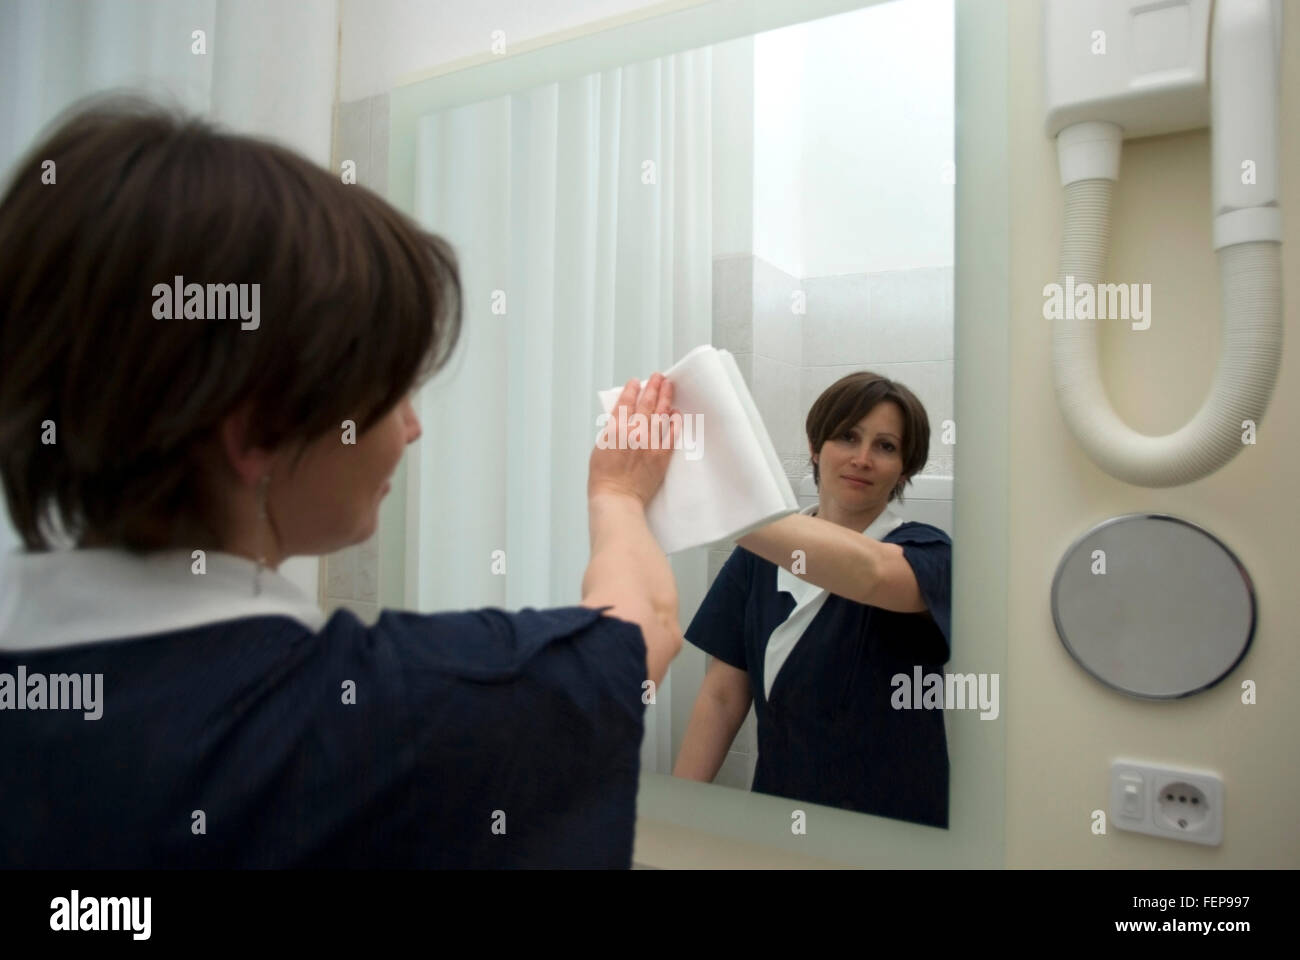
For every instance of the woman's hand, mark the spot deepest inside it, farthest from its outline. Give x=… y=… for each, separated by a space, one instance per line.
x=638 y=473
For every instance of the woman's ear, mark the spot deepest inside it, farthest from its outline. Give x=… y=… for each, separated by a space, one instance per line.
x=246 y=462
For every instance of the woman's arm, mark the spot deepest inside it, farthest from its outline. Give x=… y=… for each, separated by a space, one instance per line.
x=719 y=711
x=629 y=571
x=837 y=559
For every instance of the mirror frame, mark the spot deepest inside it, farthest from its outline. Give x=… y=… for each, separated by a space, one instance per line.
x=977 y=750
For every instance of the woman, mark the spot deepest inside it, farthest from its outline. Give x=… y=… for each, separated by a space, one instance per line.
x=812 y=617
x=171 y=700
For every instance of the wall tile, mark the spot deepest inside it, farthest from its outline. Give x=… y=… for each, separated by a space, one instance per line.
x=835 y=328
x=352 y=139
x=946 y=281
x=733 y=304
x=745 y=364
x=340 y=574
x=379 y=128
x=367 y=583
x=776 y=393
x=778 y=330
x=737 y=771
x=909 y=319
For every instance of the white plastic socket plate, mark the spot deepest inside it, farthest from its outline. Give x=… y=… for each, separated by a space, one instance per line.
x=1167 y=802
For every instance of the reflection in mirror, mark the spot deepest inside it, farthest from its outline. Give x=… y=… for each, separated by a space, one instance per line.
x=832 y=280
x=788 y=197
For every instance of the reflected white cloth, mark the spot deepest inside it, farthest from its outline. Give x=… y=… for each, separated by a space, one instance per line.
x=62 y=597
x=808 y=601
x=733 y=485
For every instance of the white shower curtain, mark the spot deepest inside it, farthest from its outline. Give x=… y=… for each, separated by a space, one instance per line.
x=581 y=212
x=267 y=68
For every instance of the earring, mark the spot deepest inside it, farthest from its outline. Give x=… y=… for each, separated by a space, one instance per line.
x=261 y=526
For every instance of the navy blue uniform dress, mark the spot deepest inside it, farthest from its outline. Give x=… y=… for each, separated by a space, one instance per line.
x=481 y=738
x=829 y=734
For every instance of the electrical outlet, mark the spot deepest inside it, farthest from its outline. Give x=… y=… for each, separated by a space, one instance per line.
x=1167 y=802
x=1182 y=807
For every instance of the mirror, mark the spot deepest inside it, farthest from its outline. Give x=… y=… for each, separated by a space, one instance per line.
x=832 y=257
x=1153 y=606
x=788 y=197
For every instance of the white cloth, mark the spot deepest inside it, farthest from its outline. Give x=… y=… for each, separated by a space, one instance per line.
x=63 y=597
x=725 y=478
x=808 y=601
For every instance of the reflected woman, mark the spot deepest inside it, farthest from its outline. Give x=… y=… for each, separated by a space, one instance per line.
x=812 y=617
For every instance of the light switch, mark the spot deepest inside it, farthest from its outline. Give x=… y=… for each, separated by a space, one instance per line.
x=1131 y=796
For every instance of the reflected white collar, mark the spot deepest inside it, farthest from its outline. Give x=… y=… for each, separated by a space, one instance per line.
x=63 y=597
x=809 y=599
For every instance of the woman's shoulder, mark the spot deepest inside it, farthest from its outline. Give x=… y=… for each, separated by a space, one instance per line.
x=491 y=643
x=914 y=531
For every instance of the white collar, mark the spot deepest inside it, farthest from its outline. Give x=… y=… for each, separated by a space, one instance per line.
x=63 y=597
x=809 y=599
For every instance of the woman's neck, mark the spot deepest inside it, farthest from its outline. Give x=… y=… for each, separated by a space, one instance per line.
x=857 y=521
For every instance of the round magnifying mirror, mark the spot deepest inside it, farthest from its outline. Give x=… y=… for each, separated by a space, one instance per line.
x=1153 y=606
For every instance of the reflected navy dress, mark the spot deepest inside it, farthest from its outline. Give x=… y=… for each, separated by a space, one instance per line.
x=481 y=738
x=829 y=734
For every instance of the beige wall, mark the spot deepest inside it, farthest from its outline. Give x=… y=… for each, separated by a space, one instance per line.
x=1064 y=727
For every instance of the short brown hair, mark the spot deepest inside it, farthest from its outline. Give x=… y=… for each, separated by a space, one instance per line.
x=357 y=306
x=852 y=397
